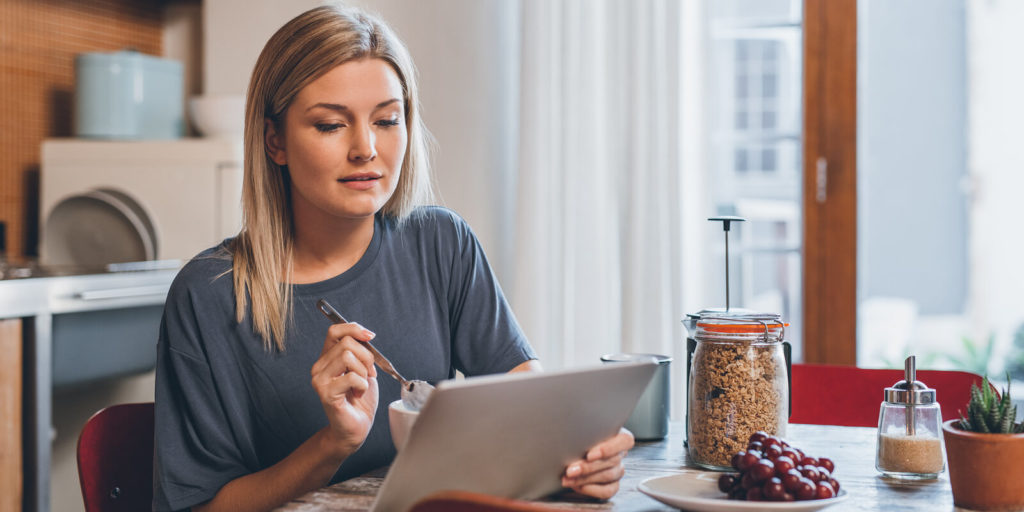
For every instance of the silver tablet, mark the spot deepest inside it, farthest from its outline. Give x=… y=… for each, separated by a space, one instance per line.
x=511 y=435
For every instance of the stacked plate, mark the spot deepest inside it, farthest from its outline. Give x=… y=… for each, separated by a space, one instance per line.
x=96 y=228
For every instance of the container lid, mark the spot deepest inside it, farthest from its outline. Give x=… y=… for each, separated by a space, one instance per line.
x=629 y=358
x=901 y=393
x=691 y=318
x=129 y=57
x=768 y=325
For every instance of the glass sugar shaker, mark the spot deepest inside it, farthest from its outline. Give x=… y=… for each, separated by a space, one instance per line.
x=910 y=430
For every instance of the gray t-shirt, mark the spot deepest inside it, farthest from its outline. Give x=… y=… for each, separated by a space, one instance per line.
x=227 y=407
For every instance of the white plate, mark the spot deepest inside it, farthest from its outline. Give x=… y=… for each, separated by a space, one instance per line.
x=698 y=491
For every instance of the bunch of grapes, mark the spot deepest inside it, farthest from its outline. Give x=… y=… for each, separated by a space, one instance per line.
x=772 y=470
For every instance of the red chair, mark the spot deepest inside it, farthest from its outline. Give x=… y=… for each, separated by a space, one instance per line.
x=115 y=459
x=464 y=501
x=851 y=396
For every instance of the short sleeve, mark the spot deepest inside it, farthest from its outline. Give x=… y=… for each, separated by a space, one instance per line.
x=196 y=452
x=486 y=338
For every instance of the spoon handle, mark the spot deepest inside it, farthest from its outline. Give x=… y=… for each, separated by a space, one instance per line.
x=378 y=358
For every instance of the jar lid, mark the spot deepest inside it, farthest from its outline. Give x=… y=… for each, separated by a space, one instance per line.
x=768 y=325
x=901 y=393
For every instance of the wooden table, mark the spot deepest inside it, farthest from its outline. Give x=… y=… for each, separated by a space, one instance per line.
x=852 y=449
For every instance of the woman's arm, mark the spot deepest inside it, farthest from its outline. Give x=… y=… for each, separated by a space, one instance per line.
x=309 y=467
x=345 y=380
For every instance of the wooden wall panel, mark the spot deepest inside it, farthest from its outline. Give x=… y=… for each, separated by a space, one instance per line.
x=830 y=212
x=10 y=415
x=38 y=43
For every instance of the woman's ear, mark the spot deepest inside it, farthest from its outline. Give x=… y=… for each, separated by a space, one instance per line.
x=274 y=142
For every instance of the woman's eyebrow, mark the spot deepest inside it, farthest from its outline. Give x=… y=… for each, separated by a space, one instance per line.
x=337 y=107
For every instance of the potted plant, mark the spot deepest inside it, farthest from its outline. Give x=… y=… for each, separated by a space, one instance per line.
x=984 y=450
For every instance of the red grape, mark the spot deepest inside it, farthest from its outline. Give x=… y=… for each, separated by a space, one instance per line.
x=773 y=490
x=827 y=464
x=735 y=462
x=793 y=454
x=748 y=459
x=763 y=470
x=783 y=464
x=726 y=482
x=791 y=481
x=747 y=481
x=835 y=485
x=824 y=491
x=758 y=436
x=811 y=473
x=806 y=490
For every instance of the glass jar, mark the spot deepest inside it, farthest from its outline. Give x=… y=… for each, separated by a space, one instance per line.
x=738 y=385
x=910 y=433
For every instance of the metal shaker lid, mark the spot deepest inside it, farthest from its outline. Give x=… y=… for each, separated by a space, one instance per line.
x=916 y=394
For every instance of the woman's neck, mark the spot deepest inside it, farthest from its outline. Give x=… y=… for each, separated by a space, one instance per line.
x=323 y=250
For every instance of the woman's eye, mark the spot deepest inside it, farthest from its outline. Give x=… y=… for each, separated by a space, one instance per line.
x=328 y=127
x=388 y=122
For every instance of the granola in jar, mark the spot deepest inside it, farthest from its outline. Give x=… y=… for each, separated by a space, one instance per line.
x=738 y=385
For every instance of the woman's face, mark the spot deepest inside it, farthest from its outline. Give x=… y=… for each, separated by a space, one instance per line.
x=344 y=141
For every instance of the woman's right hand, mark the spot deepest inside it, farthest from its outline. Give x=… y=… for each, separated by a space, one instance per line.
x=346 y=380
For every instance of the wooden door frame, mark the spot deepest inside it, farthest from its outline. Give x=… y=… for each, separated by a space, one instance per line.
x=830 y=182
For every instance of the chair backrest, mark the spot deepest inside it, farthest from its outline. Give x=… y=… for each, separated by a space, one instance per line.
x=464 y=501
x=115 y=459
x=851 y=396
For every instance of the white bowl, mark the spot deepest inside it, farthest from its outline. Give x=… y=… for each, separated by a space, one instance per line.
x=401 y=419
x=218 y=115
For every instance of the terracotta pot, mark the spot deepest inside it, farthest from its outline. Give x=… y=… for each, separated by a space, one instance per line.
x=984 y=469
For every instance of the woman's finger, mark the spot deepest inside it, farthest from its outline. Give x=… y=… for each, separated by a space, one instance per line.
x=338 y=388
x=599 y=491
x=336 y=332
x=584 y=469
x=621 y=442
x=337 y=361
x=359 y=350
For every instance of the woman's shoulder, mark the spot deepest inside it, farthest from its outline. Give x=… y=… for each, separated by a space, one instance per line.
x=437 y=220
x=206 y=268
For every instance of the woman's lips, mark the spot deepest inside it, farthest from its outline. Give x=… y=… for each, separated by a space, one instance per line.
x=360 y=182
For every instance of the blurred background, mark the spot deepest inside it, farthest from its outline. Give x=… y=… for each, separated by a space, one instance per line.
x=587 y=143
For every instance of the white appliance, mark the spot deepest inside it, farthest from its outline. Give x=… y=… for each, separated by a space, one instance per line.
x=105 y=202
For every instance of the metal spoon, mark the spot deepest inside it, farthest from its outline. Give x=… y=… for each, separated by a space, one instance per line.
x=414 y=392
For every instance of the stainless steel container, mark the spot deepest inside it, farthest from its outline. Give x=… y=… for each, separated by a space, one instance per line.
x=649 y=420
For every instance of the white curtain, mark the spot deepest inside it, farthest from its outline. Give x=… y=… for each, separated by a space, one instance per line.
x=608 y=178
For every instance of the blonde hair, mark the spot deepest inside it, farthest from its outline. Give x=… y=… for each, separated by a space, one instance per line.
x=302 y=50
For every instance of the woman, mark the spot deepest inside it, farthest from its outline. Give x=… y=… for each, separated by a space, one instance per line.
x=254 y=406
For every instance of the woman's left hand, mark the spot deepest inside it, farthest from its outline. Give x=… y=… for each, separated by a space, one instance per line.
x=598 y=474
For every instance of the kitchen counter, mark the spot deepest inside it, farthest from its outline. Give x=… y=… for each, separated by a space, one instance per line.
x=41 y=303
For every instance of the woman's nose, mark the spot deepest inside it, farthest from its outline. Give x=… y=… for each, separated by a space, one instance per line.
x=364 y=147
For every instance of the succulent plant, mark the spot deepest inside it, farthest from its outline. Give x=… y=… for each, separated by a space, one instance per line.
x=990 y=413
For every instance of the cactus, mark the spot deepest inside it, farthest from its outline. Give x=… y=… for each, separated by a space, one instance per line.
x=989 y=412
